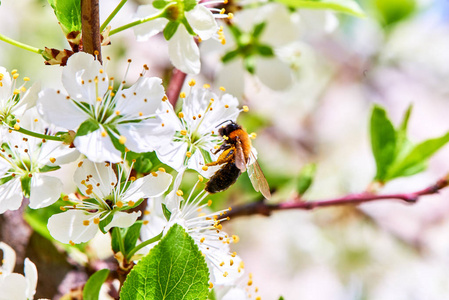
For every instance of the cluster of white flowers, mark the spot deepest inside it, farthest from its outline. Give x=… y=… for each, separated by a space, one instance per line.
x=43 y=130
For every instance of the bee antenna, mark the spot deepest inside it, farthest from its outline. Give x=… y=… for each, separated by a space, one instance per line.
x=224 y=122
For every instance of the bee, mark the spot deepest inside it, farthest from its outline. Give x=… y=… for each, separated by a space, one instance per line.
x=235 y=160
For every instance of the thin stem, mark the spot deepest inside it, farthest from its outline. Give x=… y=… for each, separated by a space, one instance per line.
x=143 y=244
x=263 y=208
x=112 y=15
x=39 y=135
x=20 y=45
x=135 y=23
x=175 y=86
x=90 y=25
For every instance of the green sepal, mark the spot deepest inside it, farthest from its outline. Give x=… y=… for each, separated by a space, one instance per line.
x=170 y=29
x=345 y=6
x=258 y=29
x=166 y=212
x=265 y=50
x=112 y=134
x=160 y=4
x=87 y=127
x=91 y=290
x=47 y=168
x=305 y=178
x=68 y=13
x=116 y=236
x=173 y=269
x=131 y=236
x=390 y=12
x=230 y=56
x=250 y=64
x=206 y=156
x=26 y=185
x=189 y=4
x=103 y=223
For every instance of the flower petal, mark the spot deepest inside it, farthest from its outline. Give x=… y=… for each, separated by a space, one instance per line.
x=28 y=100
x=10 y=195
x=274 y=73
x=5 y=87
x=173 y=154
x=45 y=190
x=9 y=259
x=231 y=76
x=154 y=186
x=279 y=19
x=82 y=78
x=13 y=286
x=155 y=218
x=148 y=29
x=56 y=109
x=31 y=278
x=62 y=154
x=202 y=21
x=123 y=219
x=100 y=178
x=184 y=52
x=97 y=148
x=68 y=227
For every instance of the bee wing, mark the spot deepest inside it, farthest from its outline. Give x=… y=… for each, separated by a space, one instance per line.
x=258 y=179
x=240 y=161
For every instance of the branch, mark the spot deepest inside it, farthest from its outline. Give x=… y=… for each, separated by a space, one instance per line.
x=175 y=85
x=90 y=25
x=265 y=209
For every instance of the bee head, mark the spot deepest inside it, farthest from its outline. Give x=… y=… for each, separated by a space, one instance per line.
x=225 y=130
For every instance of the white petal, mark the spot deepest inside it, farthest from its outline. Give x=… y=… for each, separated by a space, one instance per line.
x=45 y=190
x=154 y=186
x=58 y=110
x=28 y=100
x=155 y=218
x=10 y=195
x=148 y=29
x=173 y=154
x=31 y=278
x=235 y=294
x=62 y=154
x=202 y=21
x=9 y=258
x=274 y=73
x=97 y=148
x=233 y=271
x=142 y=98
x=68 y=227
x=123 y=219
x=100 y=175
x=184 y=52
x=13 y=287
x=82 y=67
x=279 y=20
x=5 y=88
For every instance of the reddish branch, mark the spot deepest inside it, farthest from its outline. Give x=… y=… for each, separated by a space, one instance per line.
x=90 y=25
x=265 y=209
x=175 y=86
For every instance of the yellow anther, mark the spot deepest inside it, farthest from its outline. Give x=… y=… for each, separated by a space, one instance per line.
x=211 y=285
x=222 y=264
x=146 y=212
x=231 y=262
x=245 y=108
x=222 y=88
x=235 y=238
x=181 y=115
x=205 y=168
x=23 y=89
x=183 y=132
x=131 y=203
x=16 y=126
x=230 y=16
x=13 y=71
x=182 y=95
x=161 y=170
x=52 y=159
x=26 y=78
x=112 y=94
x=86 y=222
x=253 y=135
x=206 y=86
x=192 y=82
x=202 y=240
x=222 y=11
x=15 y=76
x=119 y=204
x=145 y=222
x=16 y=92
x=154 y=174
x=200 y=178
x=96 y=53
x=62 y=208
x=165 y=98
x=65 y=198
x=225 y=274
x=104 y=134
x=99 y=99
x=226 y=106
x=110 y=87
x=72 y=243
x=179 y=193
x=188 y=154
x=122 y=140
x=250 y=282
x=101 y=71
x=97 y=221
x=209 y=202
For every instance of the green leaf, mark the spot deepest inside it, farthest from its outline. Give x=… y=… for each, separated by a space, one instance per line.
x=383 y=141
x=167 y=213
x=174 y=269
x=115 y=239
x=305 y=178
x=416 y=160
x=160 y=4
x=48 y=168
x=103 y=223
x=68 y=13
x=345 y=6
x=393 y=11
x=132 y=234
x=170 y=29
x=91 y=290
x=189 y=4
x=87 y=127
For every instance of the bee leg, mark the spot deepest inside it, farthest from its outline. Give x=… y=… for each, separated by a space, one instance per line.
x=224 y=157
x=223 y=147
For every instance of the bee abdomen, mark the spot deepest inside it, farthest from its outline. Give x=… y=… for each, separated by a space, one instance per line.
x=223 y=178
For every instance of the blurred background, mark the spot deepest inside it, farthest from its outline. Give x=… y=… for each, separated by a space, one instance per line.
x=340 y=65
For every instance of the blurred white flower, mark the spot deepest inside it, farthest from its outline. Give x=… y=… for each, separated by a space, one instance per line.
x=204 y=228
x=107 y=196
x=104 y=120
x=196 y=129
x=14 y=286
x=180 y=23
x=22 y=162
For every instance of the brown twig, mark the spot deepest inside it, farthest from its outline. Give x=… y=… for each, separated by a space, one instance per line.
x=265 y=209
x=90 y=24
x=175 y=85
